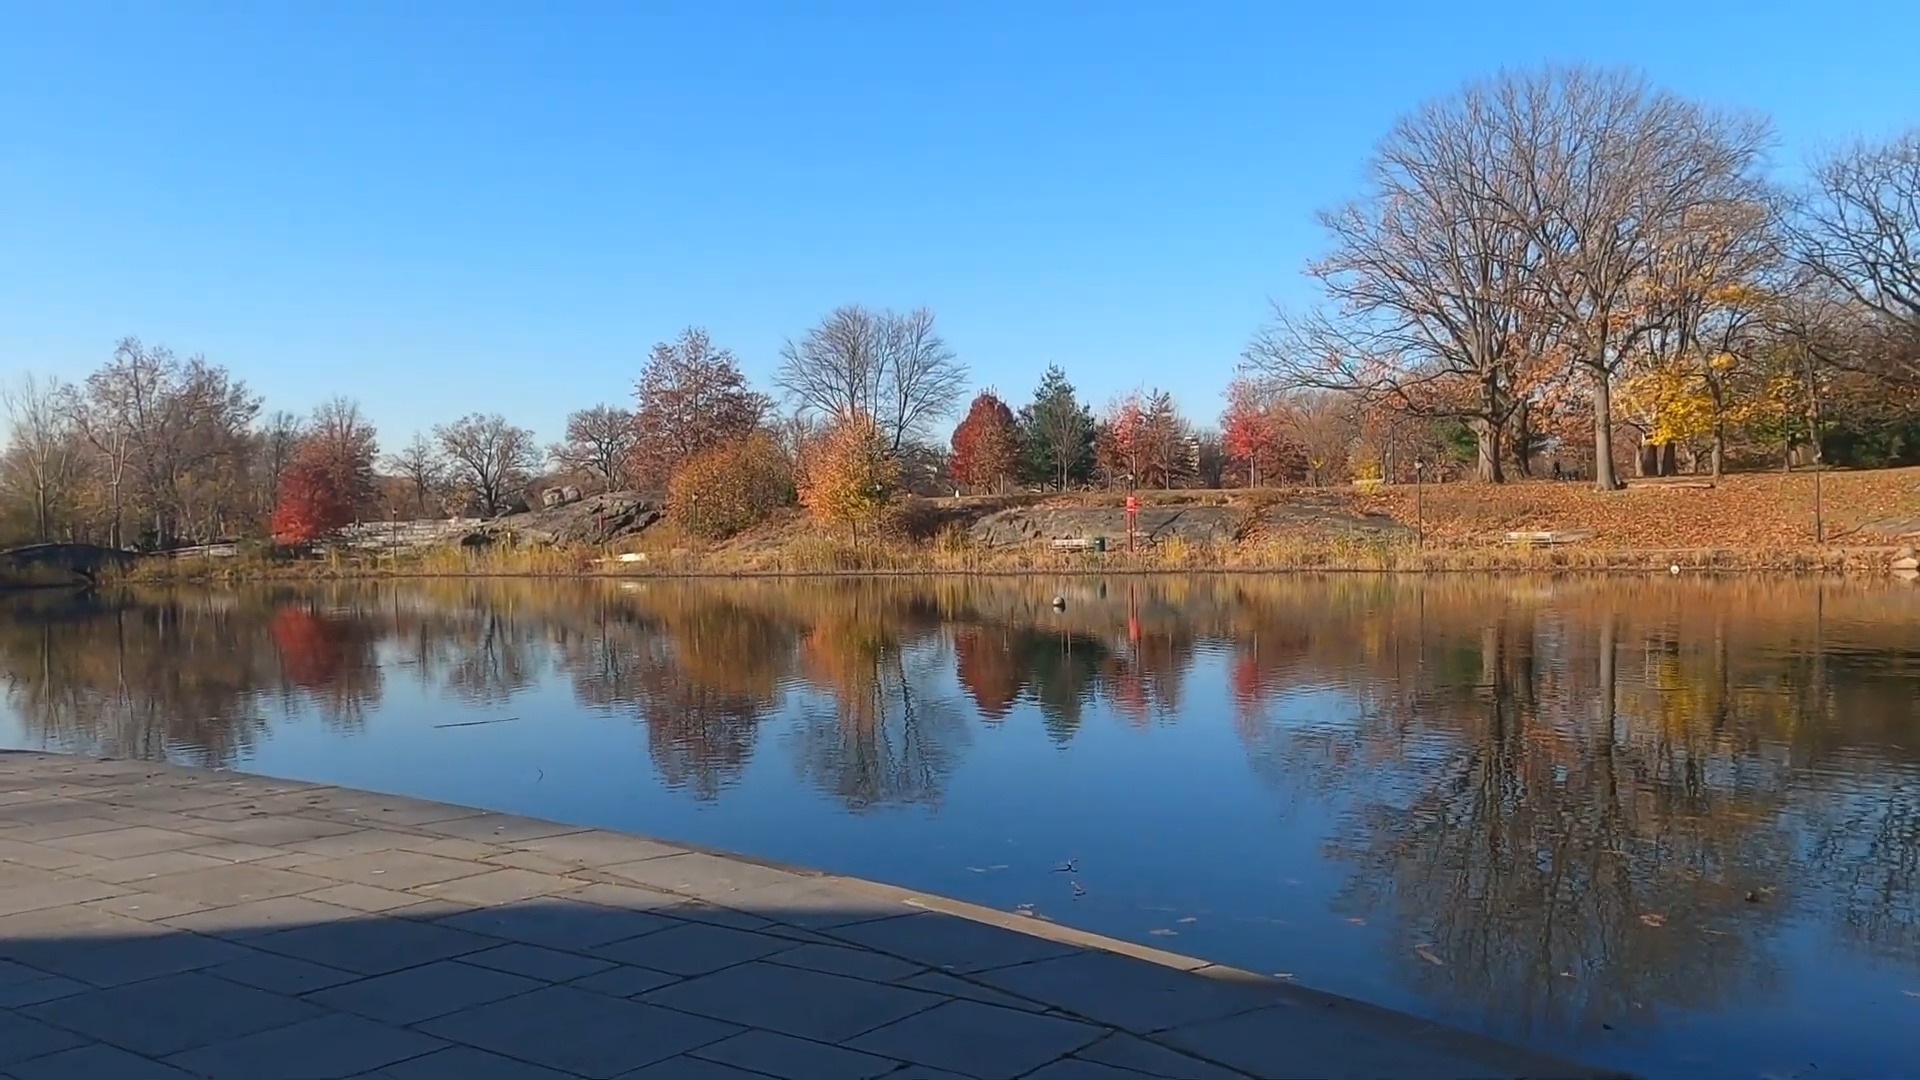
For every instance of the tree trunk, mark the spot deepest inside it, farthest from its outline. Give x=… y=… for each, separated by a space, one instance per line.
x=1668 y=461
x=1603 y=474
x=1717 y=456
x=1486 y=437
x=1645 y=459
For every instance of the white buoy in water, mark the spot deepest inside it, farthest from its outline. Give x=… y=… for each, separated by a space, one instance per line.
x=1060 y=602
x=1674 y=569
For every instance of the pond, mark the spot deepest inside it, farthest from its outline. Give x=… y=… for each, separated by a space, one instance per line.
x=1666 y=825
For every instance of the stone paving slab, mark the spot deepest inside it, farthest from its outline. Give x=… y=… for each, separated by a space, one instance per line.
x=168 y=923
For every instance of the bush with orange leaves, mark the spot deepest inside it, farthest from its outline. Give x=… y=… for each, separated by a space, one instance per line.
x=846 y=477
x=731 y=487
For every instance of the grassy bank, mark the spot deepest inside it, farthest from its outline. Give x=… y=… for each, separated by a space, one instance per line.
x=826 y=557
x=1752 y=523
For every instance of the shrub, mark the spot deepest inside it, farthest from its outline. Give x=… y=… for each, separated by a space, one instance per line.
x=730 y=487
x=849 y=478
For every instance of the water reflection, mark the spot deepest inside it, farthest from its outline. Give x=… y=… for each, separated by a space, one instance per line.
x=1613 y=818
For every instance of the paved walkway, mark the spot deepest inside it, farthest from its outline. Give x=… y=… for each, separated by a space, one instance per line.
x=158 y=922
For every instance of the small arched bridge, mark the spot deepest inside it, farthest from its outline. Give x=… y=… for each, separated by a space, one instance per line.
x=50 y=564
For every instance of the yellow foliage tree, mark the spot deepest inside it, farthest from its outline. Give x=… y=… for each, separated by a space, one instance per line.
x=847 y=477
x=723 y=490
x=1671 y=402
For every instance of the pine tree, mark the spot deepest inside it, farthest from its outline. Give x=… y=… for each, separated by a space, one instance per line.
x=1056 y=434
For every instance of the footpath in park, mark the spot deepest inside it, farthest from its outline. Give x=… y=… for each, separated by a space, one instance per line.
x=163 y=923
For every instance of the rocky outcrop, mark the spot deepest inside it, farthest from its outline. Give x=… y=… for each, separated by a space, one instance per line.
x=1158 y=524
x=590 y=521
x=1894 y=527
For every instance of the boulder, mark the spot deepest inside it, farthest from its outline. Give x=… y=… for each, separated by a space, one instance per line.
x=594 y=520
x=1158 y=524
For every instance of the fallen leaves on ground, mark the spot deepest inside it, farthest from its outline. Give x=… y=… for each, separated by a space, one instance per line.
x=1745 y=510
x=1654 y=920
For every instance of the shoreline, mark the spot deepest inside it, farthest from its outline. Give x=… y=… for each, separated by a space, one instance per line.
x=1119 y=993
x=1876 y=561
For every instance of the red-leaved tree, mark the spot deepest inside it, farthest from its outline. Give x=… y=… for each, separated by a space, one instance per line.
x=1116 y=442
x=1254 y=431
x=315 y=498
x=985 y=445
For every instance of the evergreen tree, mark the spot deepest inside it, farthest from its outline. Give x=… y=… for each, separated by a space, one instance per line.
x=1056 y=434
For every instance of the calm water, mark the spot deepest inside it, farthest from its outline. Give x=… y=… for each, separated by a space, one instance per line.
x=1672 y=825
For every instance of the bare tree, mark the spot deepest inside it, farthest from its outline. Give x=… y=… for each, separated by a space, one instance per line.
x=1326 y=424
x=420 y=465
x=1857 y=227
x=171 y=429
x=1430 y=279
x=1613 y=173
x=42 y=459
x=892 y=367
x=489 y=455
x=113 y=417
x=347 y=442
x=279 y=437
x=599 y=441
x=691 y=397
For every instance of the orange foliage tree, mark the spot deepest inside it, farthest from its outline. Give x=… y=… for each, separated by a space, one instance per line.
x=985 y=445
x=727 y=488
x=848 y=478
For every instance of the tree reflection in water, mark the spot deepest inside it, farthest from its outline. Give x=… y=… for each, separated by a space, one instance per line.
x=1563 y=792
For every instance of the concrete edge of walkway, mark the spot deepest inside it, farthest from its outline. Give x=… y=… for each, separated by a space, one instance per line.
x=1388 y=1023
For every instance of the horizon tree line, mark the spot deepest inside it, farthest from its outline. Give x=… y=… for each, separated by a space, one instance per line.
x=1567 y=264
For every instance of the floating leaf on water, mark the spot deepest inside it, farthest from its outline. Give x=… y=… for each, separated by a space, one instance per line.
x=1654 y=920
x=1163 y=932
x=1358 y=921
x=1426 y=954
x=1187 y=919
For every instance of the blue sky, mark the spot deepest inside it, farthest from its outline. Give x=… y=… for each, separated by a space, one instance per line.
x=439 y=208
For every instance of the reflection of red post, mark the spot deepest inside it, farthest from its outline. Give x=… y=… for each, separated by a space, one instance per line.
x=1133 y=515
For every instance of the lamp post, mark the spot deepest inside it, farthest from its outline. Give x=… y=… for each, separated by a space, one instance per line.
x=1420 y=503
x=1819 y=517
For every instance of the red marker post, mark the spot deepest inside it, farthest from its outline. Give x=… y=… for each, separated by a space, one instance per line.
x=1133 y=515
